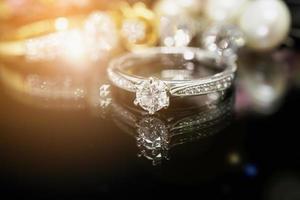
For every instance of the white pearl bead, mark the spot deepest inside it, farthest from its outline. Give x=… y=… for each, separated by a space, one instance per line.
x=265 y=24
x=191 y=6
x=177 y=7
x=167 y=8
x=224 y=10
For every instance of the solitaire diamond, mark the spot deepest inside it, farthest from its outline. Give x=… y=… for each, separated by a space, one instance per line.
x=152 y=95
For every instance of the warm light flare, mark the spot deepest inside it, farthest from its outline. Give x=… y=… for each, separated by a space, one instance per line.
x=74 y=47
x=61 y=24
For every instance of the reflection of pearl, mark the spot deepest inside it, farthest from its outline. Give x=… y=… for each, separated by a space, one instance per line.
x=263 y=78
x=265 y=24
x=224 y=10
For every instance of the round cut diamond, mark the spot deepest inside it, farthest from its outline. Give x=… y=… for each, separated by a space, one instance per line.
x=152 y=95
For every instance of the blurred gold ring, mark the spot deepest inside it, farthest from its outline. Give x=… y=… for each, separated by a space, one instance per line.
x=138 y=26
x=43 y=27
x=86 y=38
x=14 y=42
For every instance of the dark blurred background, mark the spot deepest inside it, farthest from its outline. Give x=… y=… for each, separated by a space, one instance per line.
x=66 y=149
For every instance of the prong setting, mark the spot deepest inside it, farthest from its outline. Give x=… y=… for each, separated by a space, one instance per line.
x=152 y=95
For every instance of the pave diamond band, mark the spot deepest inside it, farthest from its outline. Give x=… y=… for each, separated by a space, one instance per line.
x=151 y=92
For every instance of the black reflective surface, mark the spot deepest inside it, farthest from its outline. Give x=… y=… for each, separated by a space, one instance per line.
x=73 y=153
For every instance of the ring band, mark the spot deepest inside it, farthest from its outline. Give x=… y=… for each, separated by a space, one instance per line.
x=152 y=94
x=82 y=38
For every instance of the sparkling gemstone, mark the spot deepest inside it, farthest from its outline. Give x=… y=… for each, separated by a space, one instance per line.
x=152 y=95
x=176 y=31
x=105 y=96
x=223 y=39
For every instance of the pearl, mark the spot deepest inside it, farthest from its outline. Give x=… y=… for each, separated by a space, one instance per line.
x=224 y=10
x=167 y=8
x=265 y=24
x=191 y=6
x=176 y=7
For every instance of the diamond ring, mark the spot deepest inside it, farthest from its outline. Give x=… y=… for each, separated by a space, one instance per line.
x=185 y=72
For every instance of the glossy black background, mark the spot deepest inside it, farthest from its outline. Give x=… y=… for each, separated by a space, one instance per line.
x=51 y=154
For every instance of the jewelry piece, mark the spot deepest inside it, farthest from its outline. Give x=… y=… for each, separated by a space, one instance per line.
x=138 y=26
x=270 y=25
x=152 y=94
x=42 y=27
x=11 y=9
x=265 y=30
x=72 y=39
x=224 y=11
x=178 y=7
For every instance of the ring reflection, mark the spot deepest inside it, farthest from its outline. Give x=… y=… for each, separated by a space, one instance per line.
x=156 y=135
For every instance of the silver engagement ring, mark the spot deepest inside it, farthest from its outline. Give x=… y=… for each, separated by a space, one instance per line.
x=177 y=72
